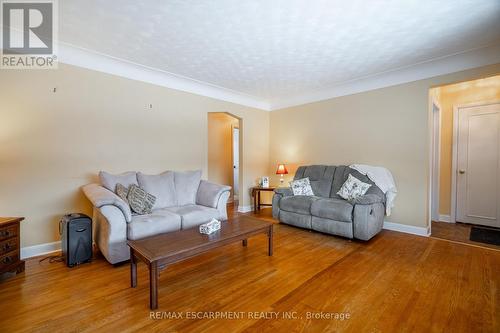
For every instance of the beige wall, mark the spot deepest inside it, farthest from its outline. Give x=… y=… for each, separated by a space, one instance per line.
x=52 y=143
x=220 y=148
x=387 y=127
x=476 y=91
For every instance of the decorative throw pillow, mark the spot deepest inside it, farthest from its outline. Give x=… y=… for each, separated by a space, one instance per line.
x=353 y=188
x=301 y=187
x=139 y=200
x=122 y=192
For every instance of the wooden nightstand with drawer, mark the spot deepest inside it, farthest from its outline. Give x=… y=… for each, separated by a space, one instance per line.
x=10 y=250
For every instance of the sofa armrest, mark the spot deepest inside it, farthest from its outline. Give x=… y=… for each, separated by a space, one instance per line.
x=209 y=193
x=222 y=205
x=100 y=196
x=110 y=233
x=284 y=191
x=279 y=193
x=368 y=199
x=367 y=220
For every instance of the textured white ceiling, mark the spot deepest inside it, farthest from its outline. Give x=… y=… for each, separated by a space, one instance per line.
x=279 y=49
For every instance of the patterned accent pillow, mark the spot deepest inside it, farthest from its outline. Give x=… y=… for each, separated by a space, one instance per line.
x=139 y=200
x=301 y=187
x=122 y=192
x=353 y=188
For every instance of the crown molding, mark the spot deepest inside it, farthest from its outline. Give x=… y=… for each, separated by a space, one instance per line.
x=484 y=56
x=80 y=57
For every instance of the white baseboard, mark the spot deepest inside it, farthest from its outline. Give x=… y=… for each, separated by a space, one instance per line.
x=41 y=249
x=408 y=229
x=245 y=209
x=445 y=218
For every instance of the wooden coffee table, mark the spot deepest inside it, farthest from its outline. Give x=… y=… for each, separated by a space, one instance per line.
x=161 y=250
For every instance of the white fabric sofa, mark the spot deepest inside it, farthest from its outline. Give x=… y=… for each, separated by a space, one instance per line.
x=183 y=201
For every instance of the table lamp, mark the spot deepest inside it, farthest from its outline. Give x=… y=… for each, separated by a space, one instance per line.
x=281 y=171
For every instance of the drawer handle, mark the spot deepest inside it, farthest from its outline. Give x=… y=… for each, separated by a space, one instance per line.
x=7 y=260
x=7 y=247
x=5 y=233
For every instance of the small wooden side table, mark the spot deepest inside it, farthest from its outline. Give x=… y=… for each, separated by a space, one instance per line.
x=10 y=250
x=256 y=196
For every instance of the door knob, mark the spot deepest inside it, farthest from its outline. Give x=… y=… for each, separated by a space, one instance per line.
x=461 y=171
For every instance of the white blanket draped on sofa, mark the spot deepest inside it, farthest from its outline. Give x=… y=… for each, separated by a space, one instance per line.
x=383 y=179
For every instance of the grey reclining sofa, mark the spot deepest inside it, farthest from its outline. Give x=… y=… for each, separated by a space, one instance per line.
x=326 y=211
x=183 y=200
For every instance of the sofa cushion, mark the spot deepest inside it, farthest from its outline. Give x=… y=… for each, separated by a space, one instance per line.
x=194 y=215
x=139 y=200
x=186 y=186
x=122 y=192
x=353 y=188
x=314 y=172
x=321 y=188
x=161 y=186
x=159 y=221
x=109 y=181
x=342 y=172
x=374 y=189
x=334 y=209
x=320 y=177
x=332 y=227
x=297 y=204
x=297 y=220
x=301 y=187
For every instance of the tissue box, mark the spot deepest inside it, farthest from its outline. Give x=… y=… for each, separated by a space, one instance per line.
x=210 y=227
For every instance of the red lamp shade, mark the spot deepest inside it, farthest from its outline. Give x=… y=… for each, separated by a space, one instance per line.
x=281 y=170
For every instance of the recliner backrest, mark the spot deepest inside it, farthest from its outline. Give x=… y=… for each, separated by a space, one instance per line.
x=320 y=176
x=342 y=172
x=326 y=180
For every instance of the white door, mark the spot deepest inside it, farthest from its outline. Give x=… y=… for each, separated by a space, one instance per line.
x=236 y=161
x=478 y=165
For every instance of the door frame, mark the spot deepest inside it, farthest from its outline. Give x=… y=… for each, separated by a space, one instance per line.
x=240 y=153
x=454 y=158
x=232 y=157
x=436 y=159
x=432 y=101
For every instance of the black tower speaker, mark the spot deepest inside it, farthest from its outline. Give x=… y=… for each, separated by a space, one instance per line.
x=76 y=238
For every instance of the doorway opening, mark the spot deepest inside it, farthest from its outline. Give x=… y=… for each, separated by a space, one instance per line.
x=465 y=161
x=224 y=152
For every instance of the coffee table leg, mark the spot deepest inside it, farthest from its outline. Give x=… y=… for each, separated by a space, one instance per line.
x=133 y=269
x=270 y=238
x=153 y=285
x=245 y=242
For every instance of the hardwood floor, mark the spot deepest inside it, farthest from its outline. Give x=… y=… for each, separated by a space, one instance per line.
x=394 y=283
x=457 y=232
